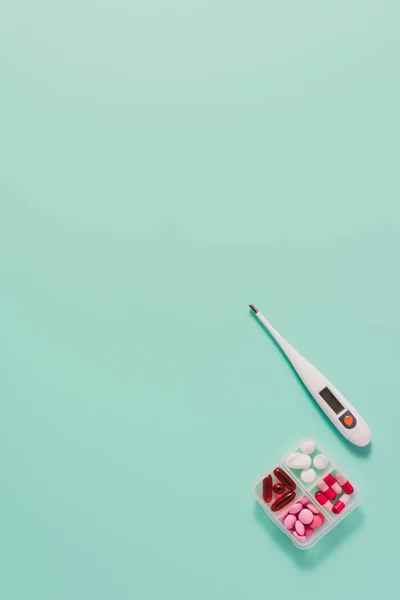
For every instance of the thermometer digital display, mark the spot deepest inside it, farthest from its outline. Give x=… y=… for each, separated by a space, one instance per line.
x=330 y=399
x=339 y=410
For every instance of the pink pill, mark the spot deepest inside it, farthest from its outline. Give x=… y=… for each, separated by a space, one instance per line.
x=313 y=508
x=289 y=521
x=320 y=520
x=299 y=527
x=304 y=500
x=317 y=521
x=300 y=538
x=308 y=531
x=305 y=516
x=296 y=508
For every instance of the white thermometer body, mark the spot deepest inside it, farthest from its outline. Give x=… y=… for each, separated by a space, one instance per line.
x=339 y=410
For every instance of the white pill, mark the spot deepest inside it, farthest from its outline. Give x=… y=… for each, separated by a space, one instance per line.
x=320 y=462
x=298 y=461
x=308 y=447
x=308 y=475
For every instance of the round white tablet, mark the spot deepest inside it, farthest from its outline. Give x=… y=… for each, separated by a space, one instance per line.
x=308 y=475
x=320 y=462
x=298 y=461
x=308 y=447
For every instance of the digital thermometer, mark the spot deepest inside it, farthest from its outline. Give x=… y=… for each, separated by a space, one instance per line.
x=333 y=403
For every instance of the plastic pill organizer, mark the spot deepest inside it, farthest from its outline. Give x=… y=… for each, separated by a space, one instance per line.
x=306 y=494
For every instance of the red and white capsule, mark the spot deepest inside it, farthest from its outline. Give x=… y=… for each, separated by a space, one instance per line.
x=323 y=500
x=340 y=504
x=346 y=485
x=328 y=491
x=331 y=481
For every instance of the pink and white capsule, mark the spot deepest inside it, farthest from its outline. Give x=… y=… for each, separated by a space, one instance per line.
x=330 y=480
x=328 y=491
x=346 y=485
x=323 y=500
x=340 y=504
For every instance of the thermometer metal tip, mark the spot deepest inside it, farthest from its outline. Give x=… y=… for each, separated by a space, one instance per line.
x=339 y=410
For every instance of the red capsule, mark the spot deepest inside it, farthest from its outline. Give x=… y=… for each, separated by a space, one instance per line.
x=267 y=489
x=283 y=501
x=346 y=485
x=340 y=504
x=278 y=488
x=284 y=478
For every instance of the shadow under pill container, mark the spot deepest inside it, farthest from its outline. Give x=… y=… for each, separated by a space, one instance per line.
x=306 y=494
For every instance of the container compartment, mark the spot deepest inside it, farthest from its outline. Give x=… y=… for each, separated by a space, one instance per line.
x=319 y=473
x=346 y=497
x=314 y=530
x=280 y=491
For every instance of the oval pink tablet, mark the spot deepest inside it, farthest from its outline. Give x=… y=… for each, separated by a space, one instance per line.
x=308 y=531
x=300 y=538
x=304 y=500
x=317 y=521
x=296 y=508
x=289 y=521
x=299 y=527
x=313 y=508
x=306 y=516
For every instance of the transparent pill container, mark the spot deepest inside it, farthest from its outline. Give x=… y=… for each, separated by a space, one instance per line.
x=305 y=493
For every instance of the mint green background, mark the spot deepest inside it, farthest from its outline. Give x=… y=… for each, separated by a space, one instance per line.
x=163 y=164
